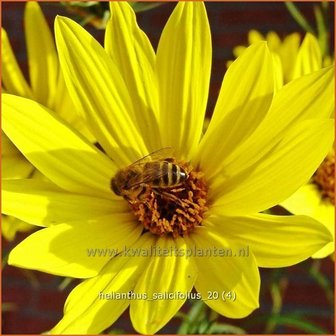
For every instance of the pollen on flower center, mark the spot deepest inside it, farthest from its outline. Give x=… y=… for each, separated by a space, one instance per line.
x=174 y=211
x=324 y=178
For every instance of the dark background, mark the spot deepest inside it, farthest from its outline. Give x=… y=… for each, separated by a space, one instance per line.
x=35 y=302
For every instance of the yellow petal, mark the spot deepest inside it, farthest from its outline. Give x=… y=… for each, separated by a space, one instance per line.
x=67 y=111
x=327 y=250
x=183 y=67
x=131 y=50
x=327 y=61
x=254 y=36
x=97 y=88
x=238 y=51
x=55 y=149
x=10 y=226
x=244 y=99
x=169 y=273
x=278 y=72
x=41 y=203
x=219 y=275
x=15 y=167
x=7 y=147
x=42 y=56
x=275 y=241
x=307 y=200
x=68 y=249
x=288 y=52
x=309 y=57
x=279 y=173
x=91 y=307
x=12 y=77
x=308 y=97
x=273 y=40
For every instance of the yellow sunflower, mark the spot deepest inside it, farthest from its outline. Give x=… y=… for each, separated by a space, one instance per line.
x=259 y=148
x=46 y=86
x=295 y=58
x=317 y=199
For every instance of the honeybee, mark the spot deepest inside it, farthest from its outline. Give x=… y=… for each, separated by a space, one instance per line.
x=155 y=170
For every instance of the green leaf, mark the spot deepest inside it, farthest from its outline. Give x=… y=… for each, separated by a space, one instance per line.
x=223 y=328
x=299 y=323
x=80 y=3
x=4 y=260
x=322 y=30
x=8 y=307
x=116 y=332
x=322 y=281
x=203 y=327
x=144 y=6
x=195 y=315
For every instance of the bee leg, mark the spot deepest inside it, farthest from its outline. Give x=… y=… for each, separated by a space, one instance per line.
x=128 y=199
x=144 y=201
x=143 y=196
x=168 y=196
x=137 y=202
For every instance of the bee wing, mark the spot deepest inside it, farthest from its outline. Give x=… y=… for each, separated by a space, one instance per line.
x=150 y=174
x=158 y=155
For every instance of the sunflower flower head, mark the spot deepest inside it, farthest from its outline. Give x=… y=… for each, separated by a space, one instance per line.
x=260 y=146
x=295 y=58
x=173 y=210
x=324 y=178
x=317 y=200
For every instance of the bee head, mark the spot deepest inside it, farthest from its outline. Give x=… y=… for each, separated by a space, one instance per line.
x=115 y=186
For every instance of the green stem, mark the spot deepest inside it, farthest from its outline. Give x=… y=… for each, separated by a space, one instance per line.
x=298 y=17
x=32 y=278
x=300 y=324
x=64 y=283
x=192 y=319
x=321 y=16
x=277 y=289
x=322 y=280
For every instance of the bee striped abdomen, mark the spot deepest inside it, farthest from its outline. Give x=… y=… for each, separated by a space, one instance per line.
x=169 y=173
x=175 y=173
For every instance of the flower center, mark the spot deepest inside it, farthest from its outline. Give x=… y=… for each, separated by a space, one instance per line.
x=324 y=178
x=176 y=210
